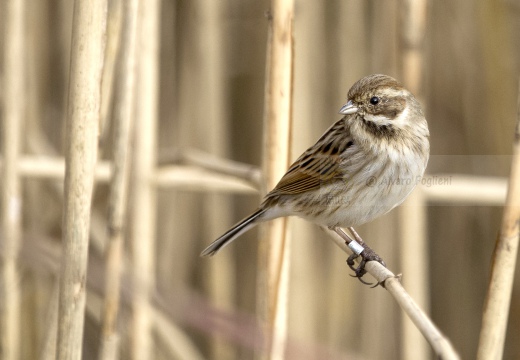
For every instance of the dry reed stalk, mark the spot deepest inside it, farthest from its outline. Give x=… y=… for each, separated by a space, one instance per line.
x=175 y=343
x=221 y=165
x=414 y=247
x=53 y=167
x=277 y=137
x=496 y=308
x=113 y=44
x=440 y=344
x=220 y=277
x=311 y=87
x=196 y=179
x=123 y=110
x=48 y=348
x=243 y=178
x=475 y=190
x=82 y=135
x=42 y=255
x=13 y=117
x=143 y=201
x=412 y=40
x=414 y=264
x=185 y=177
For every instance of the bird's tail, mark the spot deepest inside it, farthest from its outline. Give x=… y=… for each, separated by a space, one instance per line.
x=233 y=233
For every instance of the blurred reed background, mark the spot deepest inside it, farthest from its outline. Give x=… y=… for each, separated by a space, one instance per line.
x=211 y=75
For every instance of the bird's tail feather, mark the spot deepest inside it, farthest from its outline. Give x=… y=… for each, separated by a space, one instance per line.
x=232 y=233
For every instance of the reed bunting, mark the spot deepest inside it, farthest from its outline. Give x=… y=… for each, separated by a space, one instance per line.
x=363 y=166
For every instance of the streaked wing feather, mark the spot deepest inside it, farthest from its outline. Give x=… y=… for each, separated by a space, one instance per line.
x=304 y=179
x=316 y=165
x=296 y=183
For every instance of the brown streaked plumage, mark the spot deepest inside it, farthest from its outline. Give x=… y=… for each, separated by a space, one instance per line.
x=362 y=166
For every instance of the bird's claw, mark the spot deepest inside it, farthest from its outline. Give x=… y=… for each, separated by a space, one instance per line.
x=366 y=255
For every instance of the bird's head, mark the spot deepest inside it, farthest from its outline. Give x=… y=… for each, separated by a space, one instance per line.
x=381 y=101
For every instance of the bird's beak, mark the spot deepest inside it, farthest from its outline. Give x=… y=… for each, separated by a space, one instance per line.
x=348 y=108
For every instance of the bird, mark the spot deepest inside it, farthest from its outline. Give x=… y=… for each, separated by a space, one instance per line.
x=362 y=167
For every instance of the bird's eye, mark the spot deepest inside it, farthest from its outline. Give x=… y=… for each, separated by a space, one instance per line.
x=374 y=100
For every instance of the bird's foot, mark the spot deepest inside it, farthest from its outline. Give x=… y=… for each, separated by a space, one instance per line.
x=367 y=254
x=359 y=248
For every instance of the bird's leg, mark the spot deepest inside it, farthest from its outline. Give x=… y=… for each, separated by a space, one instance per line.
x=356 y=235
x=356 y=251
x=368 y=254
x=341 y=233
x=359 y=248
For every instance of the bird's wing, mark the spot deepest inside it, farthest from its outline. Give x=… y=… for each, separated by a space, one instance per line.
x=316 y=165
x=306 y=176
